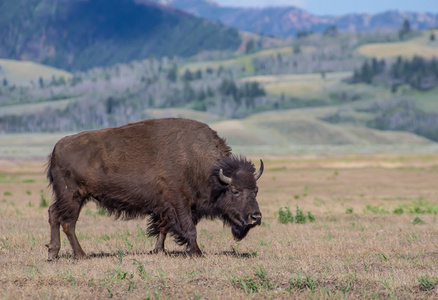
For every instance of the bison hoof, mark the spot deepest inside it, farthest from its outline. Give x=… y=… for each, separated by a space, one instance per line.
x=52 y=253
x=51 y=257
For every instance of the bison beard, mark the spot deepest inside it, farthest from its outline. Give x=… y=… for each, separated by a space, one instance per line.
x=177 y=171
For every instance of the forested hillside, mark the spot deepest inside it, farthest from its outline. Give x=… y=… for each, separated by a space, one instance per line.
x=78 y=35
x=315 y=71
x=115 y=95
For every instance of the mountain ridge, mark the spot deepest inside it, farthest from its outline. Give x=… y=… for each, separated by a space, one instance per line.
x=287 y=21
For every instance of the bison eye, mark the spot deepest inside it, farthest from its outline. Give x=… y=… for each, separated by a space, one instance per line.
x=235 y=192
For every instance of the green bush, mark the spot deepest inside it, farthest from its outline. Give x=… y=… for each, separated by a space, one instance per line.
x=418 y=221
x=286 y=216
x=398 y=210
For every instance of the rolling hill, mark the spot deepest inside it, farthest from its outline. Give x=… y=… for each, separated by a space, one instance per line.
x=77 y=35
x=290 y=131
x=420 y=46
x=23 y=73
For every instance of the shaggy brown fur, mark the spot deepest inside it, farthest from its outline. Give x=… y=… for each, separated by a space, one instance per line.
x=167 y=169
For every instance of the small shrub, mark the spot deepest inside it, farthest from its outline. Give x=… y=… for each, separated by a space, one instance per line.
x=398 y=210
x=310 y=216
x=43 y=201
x=349 y=210
x=300 y=217
x=418 y=221
x=7 y=193
x=285 y=216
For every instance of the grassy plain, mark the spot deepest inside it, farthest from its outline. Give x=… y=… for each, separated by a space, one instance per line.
x=357 y=247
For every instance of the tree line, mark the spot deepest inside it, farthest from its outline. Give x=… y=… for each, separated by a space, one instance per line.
x=420 y=73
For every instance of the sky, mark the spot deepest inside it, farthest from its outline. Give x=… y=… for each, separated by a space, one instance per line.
x=340 y=7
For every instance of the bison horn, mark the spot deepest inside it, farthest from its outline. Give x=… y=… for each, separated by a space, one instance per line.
x=259 y=172
x=224 y=178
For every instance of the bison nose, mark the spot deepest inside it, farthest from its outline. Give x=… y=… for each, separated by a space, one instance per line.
x=256 y=218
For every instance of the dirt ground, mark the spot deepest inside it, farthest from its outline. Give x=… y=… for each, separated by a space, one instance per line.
x=357 y=247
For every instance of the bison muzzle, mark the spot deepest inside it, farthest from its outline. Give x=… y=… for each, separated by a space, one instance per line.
x=176 y=171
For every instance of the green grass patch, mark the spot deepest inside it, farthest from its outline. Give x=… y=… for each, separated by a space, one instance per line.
x=28 y=181
x=419 y=206
x=256 y=283
x=426 y=283
x=375 y=209
x=301 y=282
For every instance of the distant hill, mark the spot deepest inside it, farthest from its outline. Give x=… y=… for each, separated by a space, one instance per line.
x=287 y=21
x=76 y=35
x=23 y=73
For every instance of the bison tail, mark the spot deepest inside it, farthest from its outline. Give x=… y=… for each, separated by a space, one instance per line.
x=49 y=169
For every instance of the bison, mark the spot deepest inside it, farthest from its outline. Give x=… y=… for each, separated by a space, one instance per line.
x=176 y=171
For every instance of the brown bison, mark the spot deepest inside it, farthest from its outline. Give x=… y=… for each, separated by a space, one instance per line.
x=176 y=171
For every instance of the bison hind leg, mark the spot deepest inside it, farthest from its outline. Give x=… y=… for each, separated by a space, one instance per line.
x=64 y=212
x=55 y=243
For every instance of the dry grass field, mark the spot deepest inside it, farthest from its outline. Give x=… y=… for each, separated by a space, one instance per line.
x=420 y=46
x=368 y=240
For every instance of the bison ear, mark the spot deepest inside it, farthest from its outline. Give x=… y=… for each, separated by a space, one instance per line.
x=224 y=178
x=260 y=171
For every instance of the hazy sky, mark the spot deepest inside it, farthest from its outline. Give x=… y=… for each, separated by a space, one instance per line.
x=338 y=7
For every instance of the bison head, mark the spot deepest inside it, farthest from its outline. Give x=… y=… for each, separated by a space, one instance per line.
x=237 y=202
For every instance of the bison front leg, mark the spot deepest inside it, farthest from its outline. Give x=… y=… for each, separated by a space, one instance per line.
x=183 y=226
x=159 y=246
x=192 y=244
